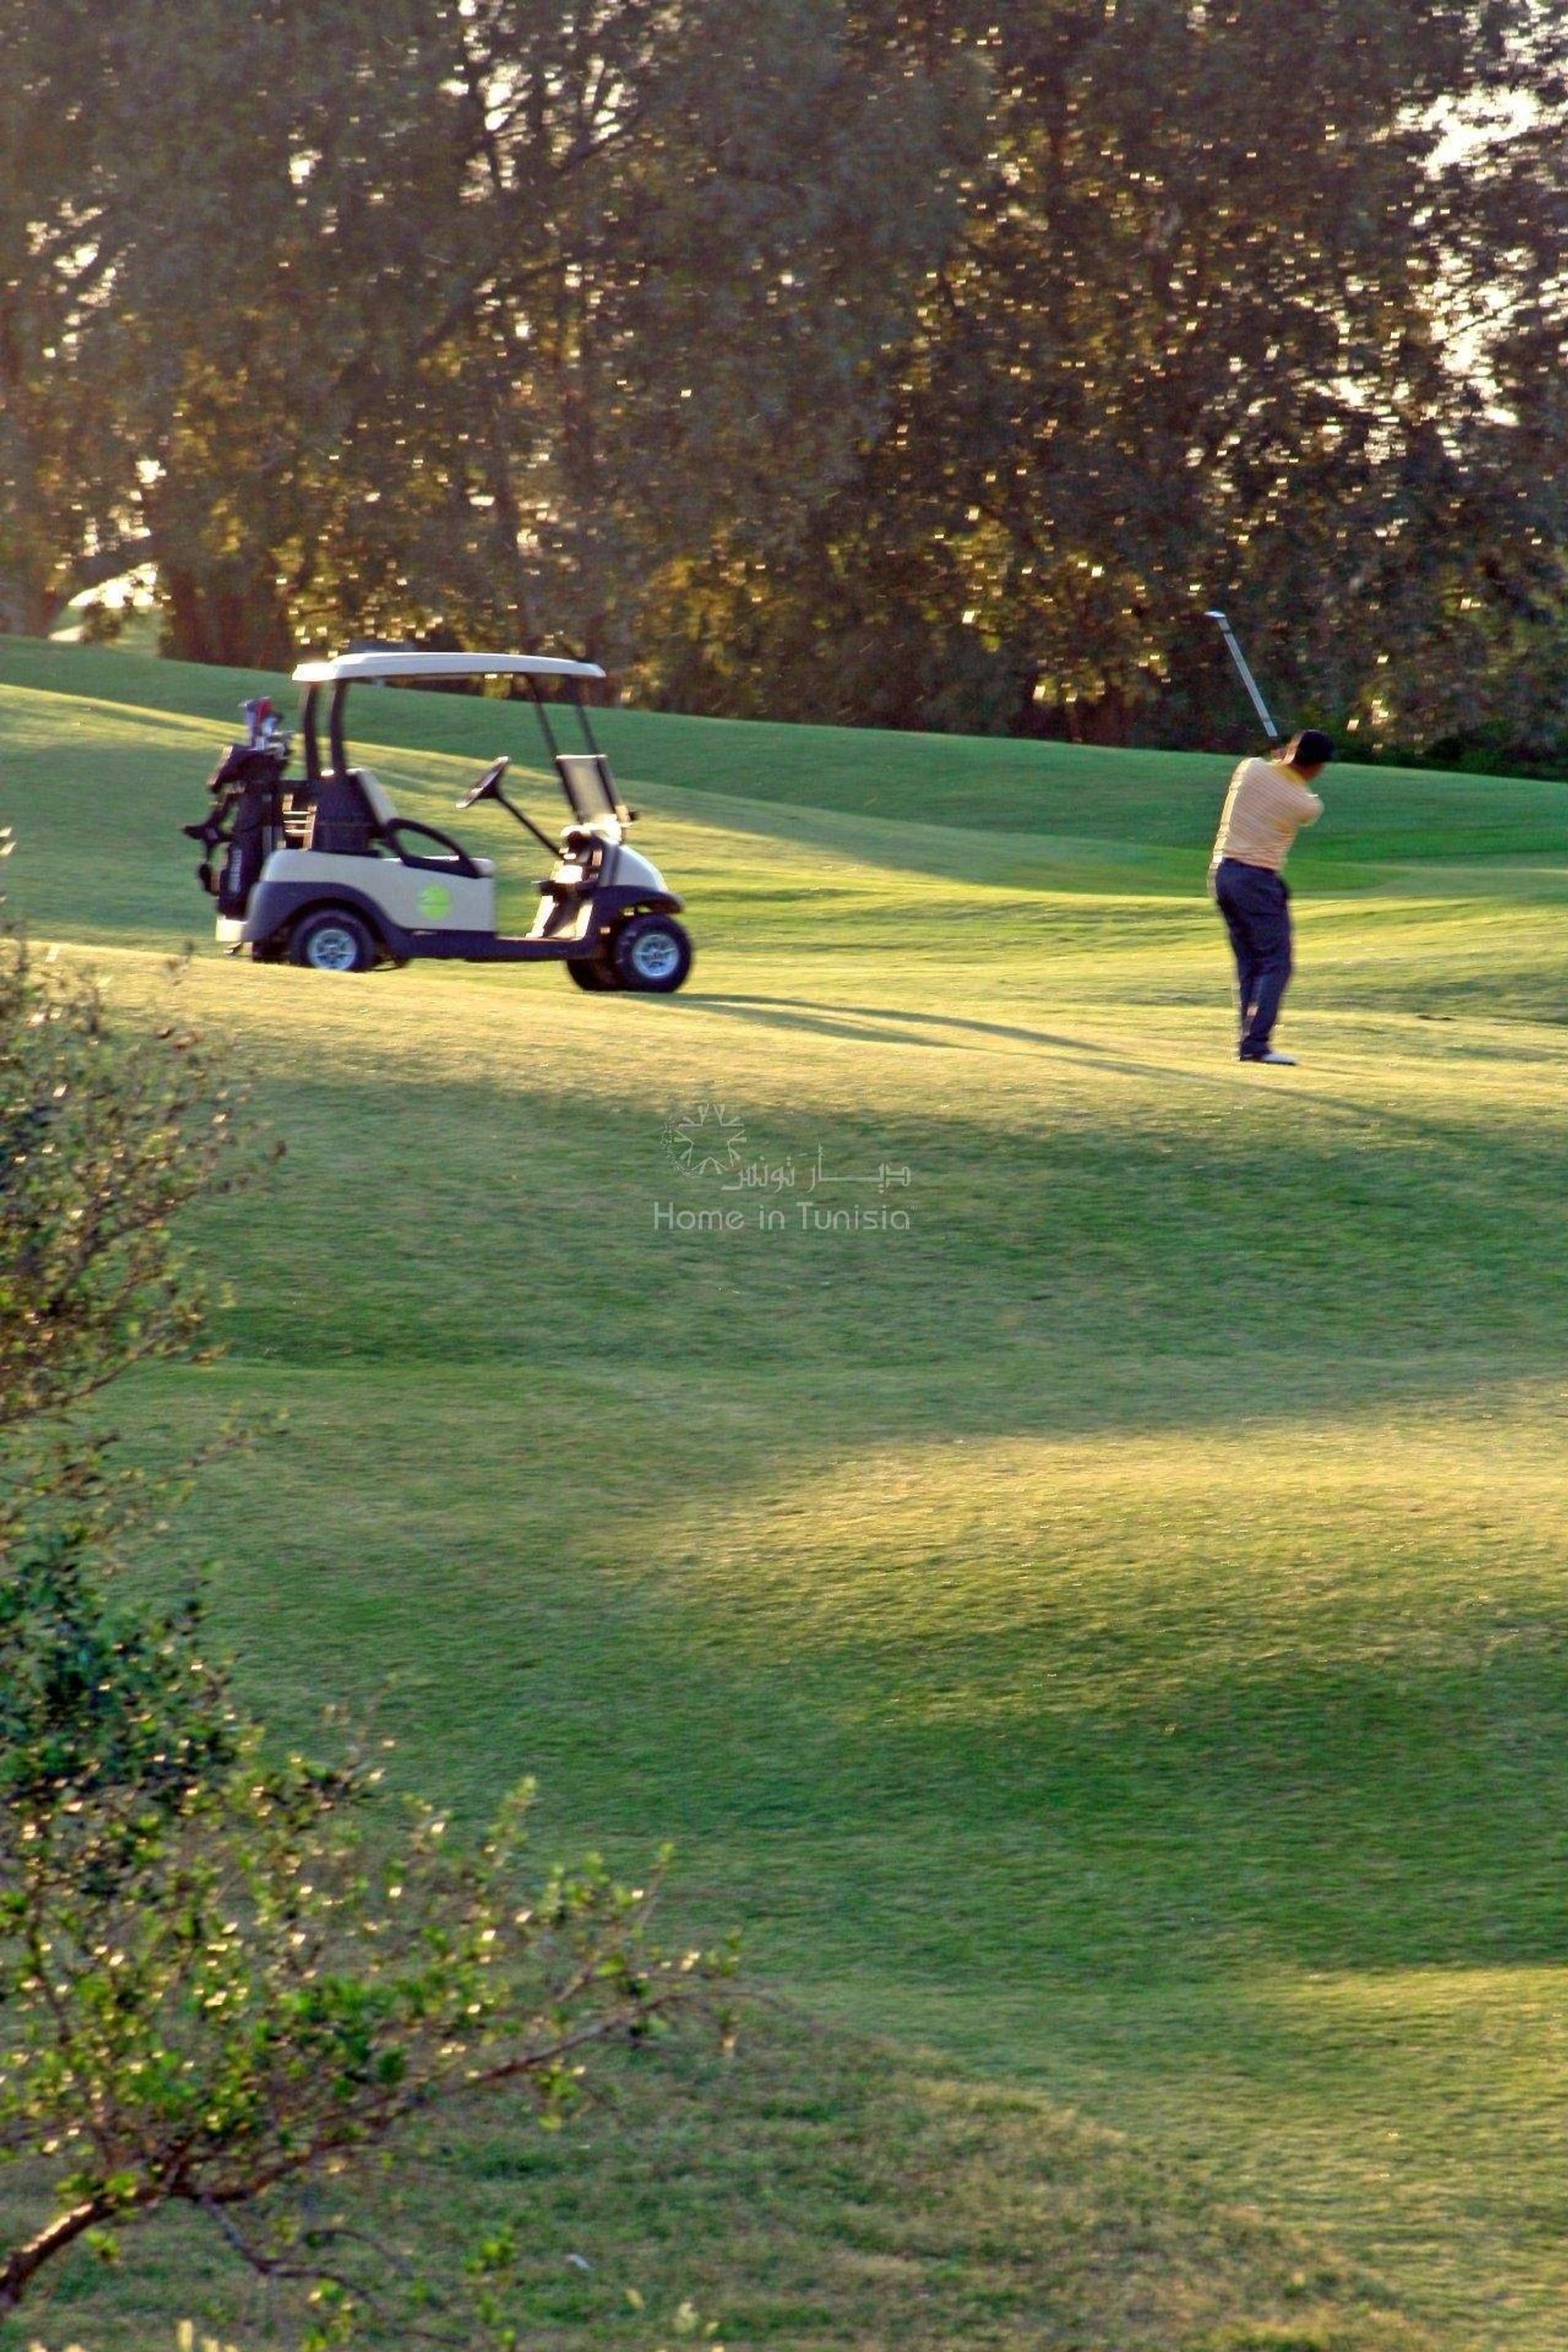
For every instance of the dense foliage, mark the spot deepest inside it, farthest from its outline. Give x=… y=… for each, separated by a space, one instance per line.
x=229 y=1975
x=930 y=365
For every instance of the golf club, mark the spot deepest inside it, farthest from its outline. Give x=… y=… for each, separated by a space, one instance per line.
x=1240 y=658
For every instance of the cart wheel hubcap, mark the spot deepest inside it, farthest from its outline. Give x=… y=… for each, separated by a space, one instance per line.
x=655 y=956
x=332 y=949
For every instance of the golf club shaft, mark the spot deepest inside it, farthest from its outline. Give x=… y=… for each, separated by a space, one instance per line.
x=1240 y=658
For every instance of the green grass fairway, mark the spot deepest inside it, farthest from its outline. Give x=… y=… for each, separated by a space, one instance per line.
x=1109 y=1637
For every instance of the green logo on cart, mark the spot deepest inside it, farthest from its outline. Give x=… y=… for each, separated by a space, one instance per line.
x=435 y=900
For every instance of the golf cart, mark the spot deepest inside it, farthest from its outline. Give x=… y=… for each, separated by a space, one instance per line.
x=321 y=870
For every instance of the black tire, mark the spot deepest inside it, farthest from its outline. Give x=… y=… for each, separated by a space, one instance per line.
x=652 y=953
x=332 y=939
x=591 y=972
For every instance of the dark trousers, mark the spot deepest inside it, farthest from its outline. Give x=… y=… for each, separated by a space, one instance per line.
x=1257 y=909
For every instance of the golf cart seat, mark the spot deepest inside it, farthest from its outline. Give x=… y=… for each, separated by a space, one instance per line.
x=371 y=818
x=393 y=825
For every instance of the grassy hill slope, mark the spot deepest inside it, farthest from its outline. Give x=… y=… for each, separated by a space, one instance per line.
x=1110 y=1634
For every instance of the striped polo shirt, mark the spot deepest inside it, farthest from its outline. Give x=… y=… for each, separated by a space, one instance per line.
x=1265 y=809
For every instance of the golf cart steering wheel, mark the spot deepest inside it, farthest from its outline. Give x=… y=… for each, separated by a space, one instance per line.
x=489 y=783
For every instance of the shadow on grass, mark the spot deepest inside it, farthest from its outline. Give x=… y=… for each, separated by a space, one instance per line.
x=792 y=1012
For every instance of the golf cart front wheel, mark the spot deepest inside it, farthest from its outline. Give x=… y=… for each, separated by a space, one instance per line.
x=334 y=941
x=651 y=953
x=591 y=971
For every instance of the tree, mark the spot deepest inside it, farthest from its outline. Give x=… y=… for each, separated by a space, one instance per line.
x=1194 y=342
x=893 y=360
x=490 y=319
x=67 y=462
x=220 y=1985
x=103 y=1142
x=228 y=1976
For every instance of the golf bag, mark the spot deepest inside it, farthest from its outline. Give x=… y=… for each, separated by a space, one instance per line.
x=247 y=825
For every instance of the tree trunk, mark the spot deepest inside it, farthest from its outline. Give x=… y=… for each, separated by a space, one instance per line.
x=234 y=619
x=1102 y=722
x=30 y=605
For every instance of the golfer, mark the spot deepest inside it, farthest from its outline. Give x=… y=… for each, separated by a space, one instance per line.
x=1268 y=803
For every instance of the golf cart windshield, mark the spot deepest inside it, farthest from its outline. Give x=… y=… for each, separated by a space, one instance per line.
x=584 y=776
x=586 y=780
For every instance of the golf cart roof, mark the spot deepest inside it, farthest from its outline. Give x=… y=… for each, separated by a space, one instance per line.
x=345 y=668
x=584 y=776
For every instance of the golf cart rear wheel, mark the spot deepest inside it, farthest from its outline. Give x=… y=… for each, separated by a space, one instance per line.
x=651 y=953
x=591 y=971
x=334 y=940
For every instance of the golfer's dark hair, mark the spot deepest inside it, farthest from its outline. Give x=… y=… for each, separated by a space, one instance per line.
x=1312 y=748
